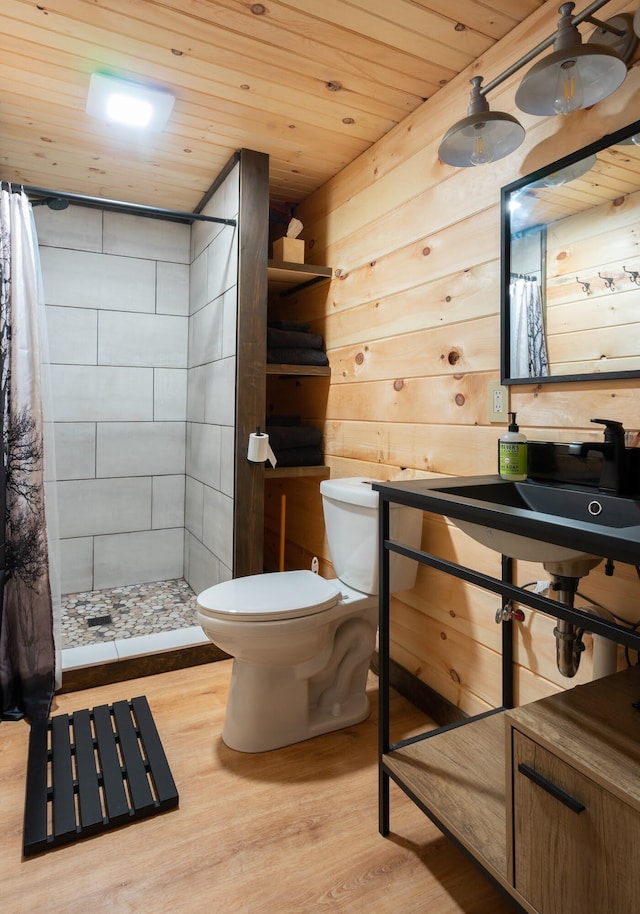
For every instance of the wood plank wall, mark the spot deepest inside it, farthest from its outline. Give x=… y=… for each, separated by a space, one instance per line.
x=411 y=321
x=594 y=330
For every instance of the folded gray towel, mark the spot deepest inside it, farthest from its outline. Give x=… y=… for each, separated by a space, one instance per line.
x=300 y=457
x=293 y=339
x=289 y=325
x=293 y=436
x=297 y=357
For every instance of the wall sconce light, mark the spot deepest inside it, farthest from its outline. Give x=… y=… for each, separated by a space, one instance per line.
x=573 y=76
x=483 y=135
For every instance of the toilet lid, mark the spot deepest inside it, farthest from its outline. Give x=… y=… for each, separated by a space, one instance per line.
x=269 y=597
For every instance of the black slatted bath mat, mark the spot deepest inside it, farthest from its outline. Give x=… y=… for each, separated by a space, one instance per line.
x=94 y=770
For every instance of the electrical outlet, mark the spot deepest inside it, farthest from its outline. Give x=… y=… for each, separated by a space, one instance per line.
x=498 y=402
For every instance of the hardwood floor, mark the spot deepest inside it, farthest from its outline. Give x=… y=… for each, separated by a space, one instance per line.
x=293 y=830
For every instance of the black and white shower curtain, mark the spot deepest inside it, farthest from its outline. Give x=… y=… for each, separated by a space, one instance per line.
x=27 y=628
x=528 y=340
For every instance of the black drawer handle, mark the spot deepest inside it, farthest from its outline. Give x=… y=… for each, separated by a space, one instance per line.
x=555 y=791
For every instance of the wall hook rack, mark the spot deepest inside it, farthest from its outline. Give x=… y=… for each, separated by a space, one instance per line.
x=586 y=286
x=634 y=274
x=608 y=281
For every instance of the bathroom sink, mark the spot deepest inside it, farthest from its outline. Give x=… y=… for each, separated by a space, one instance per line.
x=532 y=520
x=558 y=501
x=571 y=503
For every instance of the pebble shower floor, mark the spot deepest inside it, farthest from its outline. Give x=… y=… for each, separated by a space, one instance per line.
x=126 y=612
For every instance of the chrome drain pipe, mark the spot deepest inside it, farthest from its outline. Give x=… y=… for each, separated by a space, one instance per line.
x=569 y=643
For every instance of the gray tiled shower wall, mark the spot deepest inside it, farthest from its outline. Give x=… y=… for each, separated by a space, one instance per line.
x=142 y=336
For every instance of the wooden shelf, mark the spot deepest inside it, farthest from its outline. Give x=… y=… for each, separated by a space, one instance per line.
x=286 y=278
x=311 y=371
x=320 y=472
x=459 y=775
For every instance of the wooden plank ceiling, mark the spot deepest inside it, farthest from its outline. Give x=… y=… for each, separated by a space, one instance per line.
x=313 y=83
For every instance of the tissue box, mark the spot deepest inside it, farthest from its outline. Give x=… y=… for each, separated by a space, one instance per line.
x=291 y=250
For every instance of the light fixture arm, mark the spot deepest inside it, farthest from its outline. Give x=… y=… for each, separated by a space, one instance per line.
x=477 y=102
x=584 y=16
x=605 y=26
x=572 y=76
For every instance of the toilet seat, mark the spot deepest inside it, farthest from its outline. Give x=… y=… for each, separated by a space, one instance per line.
x=269 y=597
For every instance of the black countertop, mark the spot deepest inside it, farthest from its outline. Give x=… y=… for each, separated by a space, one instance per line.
x=621 y=544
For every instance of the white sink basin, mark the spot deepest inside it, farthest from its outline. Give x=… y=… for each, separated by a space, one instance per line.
x=557 y=559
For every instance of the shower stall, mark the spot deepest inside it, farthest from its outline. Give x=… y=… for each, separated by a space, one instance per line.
x=142 y=321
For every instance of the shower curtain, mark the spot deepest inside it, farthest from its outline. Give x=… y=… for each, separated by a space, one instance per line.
x=27 y=626
x=528 y=340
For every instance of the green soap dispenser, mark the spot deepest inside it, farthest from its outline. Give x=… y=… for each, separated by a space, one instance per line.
x=512 y=452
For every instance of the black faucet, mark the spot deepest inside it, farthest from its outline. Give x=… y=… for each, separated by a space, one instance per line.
x=612 y=475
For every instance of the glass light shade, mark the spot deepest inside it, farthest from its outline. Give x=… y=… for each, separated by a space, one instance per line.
x=556 y=85
x=481 y=138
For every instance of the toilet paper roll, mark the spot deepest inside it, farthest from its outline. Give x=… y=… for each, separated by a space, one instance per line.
x=260 y=450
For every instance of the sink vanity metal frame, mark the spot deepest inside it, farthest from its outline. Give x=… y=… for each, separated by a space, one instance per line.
x=455 y=774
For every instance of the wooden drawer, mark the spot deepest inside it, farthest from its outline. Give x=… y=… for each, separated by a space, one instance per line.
x=575 y=844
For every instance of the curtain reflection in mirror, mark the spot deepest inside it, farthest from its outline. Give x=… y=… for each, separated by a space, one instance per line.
x=528 y=340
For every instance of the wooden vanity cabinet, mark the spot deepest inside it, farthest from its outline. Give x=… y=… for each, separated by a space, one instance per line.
x=573 y=798
x=508 y=786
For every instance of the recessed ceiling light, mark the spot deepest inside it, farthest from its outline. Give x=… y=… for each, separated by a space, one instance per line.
x=130 y=104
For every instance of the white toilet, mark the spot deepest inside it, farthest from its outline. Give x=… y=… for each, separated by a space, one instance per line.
x=302 y=644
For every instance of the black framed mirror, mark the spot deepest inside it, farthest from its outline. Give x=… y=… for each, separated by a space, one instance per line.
x=570 y=280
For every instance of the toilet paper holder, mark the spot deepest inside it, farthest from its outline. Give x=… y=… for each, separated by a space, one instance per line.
x=259 y=450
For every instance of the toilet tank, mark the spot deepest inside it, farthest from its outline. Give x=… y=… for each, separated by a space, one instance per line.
x=351 y=519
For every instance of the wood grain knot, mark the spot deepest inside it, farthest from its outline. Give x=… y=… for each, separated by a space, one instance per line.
x=454 y=675
x=426 y=251
x=398 y=384
x=460 y=399
x=359 y=358
x=454 y=357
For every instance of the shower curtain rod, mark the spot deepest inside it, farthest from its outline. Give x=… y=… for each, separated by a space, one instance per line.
x=138 y=209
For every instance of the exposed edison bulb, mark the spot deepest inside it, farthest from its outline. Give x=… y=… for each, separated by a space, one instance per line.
x=484 y=150
x=554 y=180
x=569 y=95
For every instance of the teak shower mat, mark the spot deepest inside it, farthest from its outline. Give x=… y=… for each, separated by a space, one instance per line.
x=94 y=770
